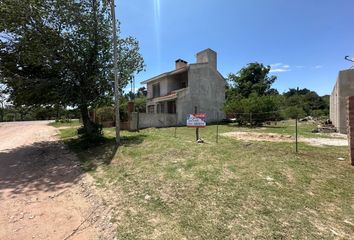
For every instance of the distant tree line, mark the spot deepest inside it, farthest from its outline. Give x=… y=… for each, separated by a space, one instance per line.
x=10 y=113
x=250 y=98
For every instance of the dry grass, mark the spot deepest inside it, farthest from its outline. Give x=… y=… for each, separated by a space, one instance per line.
x=164 y=187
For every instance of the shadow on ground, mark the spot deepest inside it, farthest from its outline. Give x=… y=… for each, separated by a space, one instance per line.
x=95 y=153
x=51 y=166
x=42 y=166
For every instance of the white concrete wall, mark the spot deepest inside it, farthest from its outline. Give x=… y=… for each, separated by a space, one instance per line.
x=206 y=90
x=163 y=87
x=343 y=88
x=156 y=120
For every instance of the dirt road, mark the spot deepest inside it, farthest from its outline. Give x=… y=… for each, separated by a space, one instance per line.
x=41 y=186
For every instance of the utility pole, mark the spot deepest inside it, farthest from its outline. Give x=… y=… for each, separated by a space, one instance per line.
x=296 y=120
x=116 y=76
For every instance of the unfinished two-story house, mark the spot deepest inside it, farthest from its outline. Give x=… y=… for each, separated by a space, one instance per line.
x=188 y=86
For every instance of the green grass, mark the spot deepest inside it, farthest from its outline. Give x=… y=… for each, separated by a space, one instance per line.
x=71 y=123
x=166 y=187
x=287 y=128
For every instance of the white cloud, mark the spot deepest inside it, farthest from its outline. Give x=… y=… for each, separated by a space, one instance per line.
x=279 y=67
x=300 y=66
x=274 y=70
x=318 y=66
x=276 y=64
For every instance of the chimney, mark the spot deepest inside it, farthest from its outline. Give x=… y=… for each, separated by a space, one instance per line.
x=180 y=63
x=207 y=56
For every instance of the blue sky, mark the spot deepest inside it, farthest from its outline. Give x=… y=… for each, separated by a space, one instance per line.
x=304 y=41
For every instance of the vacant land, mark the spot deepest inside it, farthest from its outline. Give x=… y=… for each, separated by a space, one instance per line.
x=167 y=187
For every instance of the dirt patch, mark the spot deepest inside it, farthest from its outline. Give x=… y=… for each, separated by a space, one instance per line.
x=43 y=192
x=325 y=141
x=253 y=136
x=274 y=137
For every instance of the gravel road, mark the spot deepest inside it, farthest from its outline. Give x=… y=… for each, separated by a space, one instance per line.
x=41 y=194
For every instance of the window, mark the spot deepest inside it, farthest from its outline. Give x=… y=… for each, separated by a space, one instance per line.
x=171 y=107
x=160 y=107
x=151 y=109
x=156 y=90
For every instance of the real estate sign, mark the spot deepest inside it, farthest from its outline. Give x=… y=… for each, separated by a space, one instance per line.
x=196 y=120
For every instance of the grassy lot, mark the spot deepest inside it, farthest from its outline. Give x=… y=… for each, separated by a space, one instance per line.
x=285 y=127
x=166 y=187
x=70 y=123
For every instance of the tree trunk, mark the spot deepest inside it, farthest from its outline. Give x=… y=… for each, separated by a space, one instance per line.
x=2 y=112
x=88 y=126
x=56 y=106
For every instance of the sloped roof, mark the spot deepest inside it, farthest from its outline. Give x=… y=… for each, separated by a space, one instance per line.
x=171 y=73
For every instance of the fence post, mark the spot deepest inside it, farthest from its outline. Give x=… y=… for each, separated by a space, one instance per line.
x=296 y=142
x=297 y=116
x=217 y=127
x=196 y=129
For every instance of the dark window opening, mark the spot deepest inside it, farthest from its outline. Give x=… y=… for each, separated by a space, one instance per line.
x=171 y=107
x=161 y=108
x=156 y=90
x=151 y=109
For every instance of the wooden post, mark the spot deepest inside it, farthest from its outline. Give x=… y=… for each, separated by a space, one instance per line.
x=297 y=115
x=196 y=129
x=217 y=127
x=296 y=142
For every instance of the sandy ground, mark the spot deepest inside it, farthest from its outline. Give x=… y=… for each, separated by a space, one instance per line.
x=273 y=137
x=43 y=193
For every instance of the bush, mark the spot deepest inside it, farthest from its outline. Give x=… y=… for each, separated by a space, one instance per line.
x=90 y=138
x=293 y=112
x=105 y=113
x=254 y=110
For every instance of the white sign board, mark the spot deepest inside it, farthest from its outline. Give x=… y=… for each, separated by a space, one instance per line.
x=196 y=120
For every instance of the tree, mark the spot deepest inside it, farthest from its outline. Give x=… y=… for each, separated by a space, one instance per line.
x=252 y=79
x=305 y=102
x=2 y=102
x=254 y=110
x=142 y=91
x=59 y=52
x=250 y=96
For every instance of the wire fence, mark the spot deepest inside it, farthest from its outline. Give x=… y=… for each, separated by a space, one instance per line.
x=258 y=126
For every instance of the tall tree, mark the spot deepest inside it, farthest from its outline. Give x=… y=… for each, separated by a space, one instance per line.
x=252 y=79
x=250 y=96
x=59 y=52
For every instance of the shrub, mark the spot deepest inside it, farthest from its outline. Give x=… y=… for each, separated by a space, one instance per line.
x=254 y=110
x=105 y=113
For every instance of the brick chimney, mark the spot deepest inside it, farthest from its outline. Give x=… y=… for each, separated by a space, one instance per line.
x=207 y=56
x=180 y=63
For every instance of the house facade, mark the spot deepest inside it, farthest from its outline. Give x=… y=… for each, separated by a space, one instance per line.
x=189 y=86
x=343 y=88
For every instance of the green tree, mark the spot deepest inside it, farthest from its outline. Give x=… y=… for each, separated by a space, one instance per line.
x=58 y=52
x=305 y=102
x=254 y=110
x=252 y=79
x=250 y=97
